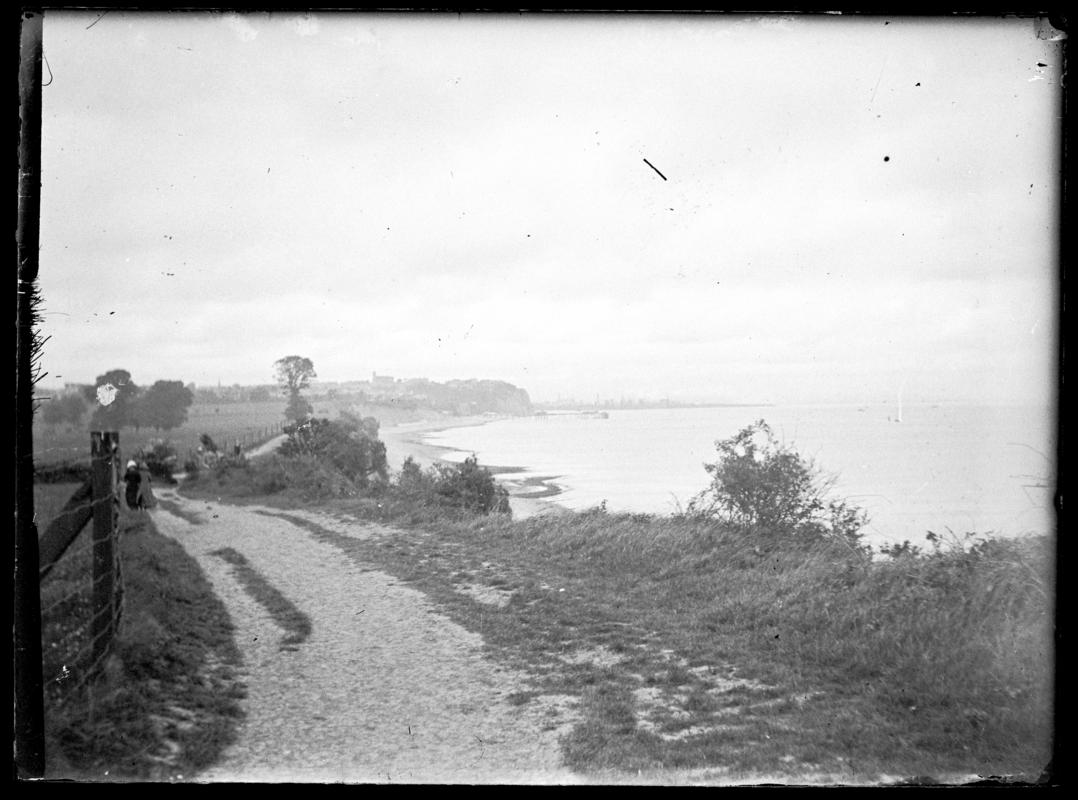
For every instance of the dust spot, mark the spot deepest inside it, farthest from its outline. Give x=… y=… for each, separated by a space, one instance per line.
x=106 y=394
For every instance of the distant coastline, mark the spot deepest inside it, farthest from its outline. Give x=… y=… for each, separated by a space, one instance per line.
x=643 y=405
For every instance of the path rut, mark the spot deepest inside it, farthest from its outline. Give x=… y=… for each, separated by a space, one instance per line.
x=384 y=689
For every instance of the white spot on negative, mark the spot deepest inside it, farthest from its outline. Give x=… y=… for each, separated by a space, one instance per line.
x=106 y=394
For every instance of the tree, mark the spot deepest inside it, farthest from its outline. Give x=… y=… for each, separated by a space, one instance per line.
x=768 y=489
x=66 y=409
x=114 y=395
x=294 y=374
x=164 y=405
x=298 y=408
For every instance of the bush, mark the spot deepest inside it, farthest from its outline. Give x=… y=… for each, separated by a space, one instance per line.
x=345 y=444
x=412 y=479
x=769 y=490
x=160 y=460
x=469 y=486
x=465 y=486
x=311 y=477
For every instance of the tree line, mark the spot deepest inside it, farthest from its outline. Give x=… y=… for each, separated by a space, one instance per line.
x=118 y=402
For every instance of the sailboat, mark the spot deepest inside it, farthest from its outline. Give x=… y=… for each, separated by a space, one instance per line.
x=899 y=417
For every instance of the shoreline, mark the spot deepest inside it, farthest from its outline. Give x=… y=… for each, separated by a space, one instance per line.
x=528 y=496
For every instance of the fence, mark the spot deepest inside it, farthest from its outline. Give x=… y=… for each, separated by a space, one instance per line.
x=240 y=443
x=81 y=577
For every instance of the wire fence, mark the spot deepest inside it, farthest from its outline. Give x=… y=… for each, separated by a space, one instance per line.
x=54 y=447
x=235 y=445
x=81 y=571
x=81 y=577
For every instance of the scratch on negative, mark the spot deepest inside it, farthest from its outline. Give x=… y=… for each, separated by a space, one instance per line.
x=654 y=168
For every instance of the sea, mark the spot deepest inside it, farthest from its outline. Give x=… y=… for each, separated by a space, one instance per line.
x=986 y=470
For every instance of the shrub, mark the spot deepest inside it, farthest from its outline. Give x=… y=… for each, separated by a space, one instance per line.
x=768 y=489
x=160 y=460
x=412 y=479
x=345 y=444
x=311 y=477
x=470 y=486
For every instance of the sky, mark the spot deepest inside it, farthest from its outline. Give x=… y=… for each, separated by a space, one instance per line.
x=731 y=208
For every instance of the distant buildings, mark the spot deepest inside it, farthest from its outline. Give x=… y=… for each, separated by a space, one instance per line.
x=458 y=397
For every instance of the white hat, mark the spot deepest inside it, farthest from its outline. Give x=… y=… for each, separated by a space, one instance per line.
x=131 y=464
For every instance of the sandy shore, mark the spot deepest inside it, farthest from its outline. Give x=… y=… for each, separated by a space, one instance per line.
x=528 y=495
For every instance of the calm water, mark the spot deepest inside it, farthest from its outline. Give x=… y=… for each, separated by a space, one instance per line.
x=969 y=468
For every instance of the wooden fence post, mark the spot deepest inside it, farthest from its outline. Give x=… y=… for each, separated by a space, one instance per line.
x=103 y=450
x=29 y=750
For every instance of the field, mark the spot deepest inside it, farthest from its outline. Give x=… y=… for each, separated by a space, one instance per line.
x=248 y=422
x=225 y=423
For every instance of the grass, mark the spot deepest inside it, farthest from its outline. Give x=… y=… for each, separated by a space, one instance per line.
x=296 y=624
x=224 y=423
x=688 y=645
x=168 y=701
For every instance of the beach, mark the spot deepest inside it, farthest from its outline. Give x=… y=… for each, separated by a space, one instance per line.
x=528 y=497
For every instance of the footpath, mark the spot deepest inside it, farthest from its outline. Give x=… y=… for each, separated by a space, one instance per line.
x=372 y=684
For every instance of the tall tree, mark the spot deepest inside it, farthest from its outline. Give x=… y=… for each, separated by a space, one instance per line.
x=164 y=405
x=294 y=374
x=113 y=395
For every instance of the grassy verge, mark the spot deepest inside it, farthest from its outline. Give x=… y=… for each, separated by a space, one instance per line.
x=168 y=702
x=687 y=644
x=284 y=612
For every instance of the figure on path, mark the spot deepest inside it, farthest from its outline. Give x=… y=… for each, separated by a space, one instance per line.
x=133 y=486
x=145 y=492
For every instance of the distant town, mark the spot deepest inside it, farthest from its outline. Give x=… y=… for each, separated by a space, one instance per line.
x=456 y=397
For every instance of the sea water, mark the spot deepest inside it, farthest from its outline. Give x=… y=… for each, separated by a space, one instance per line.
x=982 y=469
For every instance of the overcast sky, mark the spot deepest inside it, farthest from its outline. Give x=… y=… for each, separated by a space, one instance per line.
x=846 y=208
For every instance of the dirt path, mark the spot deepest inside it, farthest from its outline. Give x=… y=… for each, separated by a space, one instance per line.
x=266 y=447
x=383 y=688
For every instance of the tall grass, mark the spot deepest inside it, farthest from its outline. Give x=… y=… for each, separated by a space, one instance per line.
x=168 y=701
x=933 y=659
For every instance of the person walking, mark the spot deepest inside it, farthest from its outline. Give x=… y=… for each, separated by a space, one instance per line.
x=133 y=486
x=145 y=492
